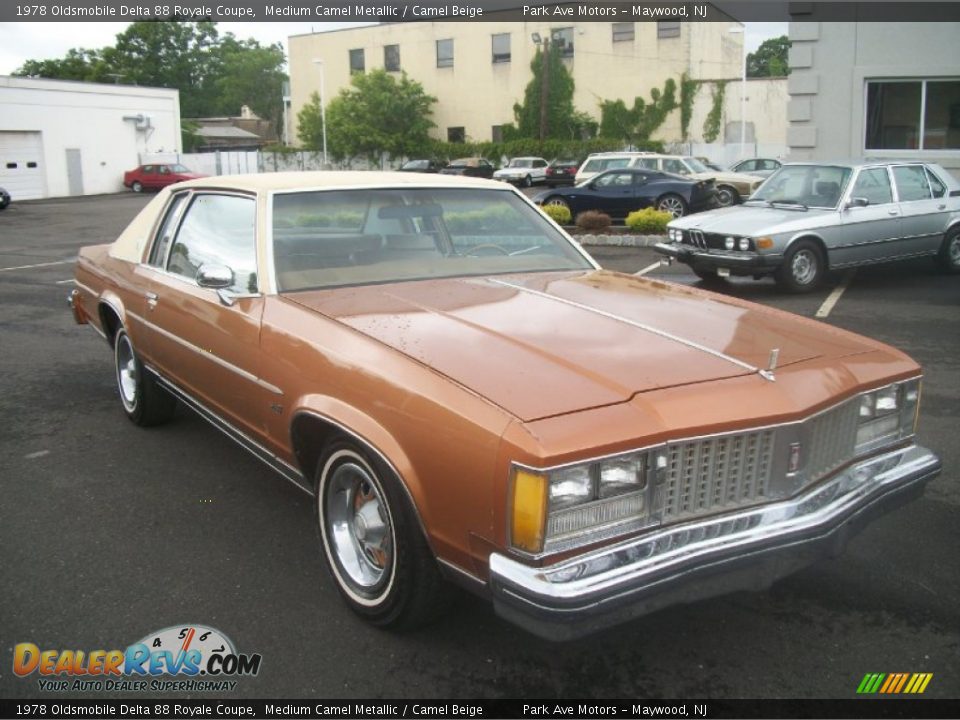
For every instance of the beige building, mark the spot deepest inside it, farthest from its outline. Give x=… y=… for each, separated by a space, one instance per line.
x=478 y=70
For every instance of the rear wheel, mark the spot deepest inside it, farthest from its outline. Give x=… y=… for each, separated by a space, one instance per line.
x=557 y=201
x=143 y=400
x=673 y=204
x=379 y=559
x=803 y=269
x=137 y=186
x=527 y=181
x=949 y=257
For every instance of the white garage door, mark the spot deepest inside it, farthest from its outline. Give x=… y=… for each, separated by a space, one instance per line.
x=22 y=173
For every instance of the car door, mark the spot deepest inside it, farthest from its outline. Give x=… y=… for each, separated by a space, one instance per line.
x=205 y=340
x=613 y=193
x=870 y=232
x=539 y=173
x=148 y=176
x=924 y=214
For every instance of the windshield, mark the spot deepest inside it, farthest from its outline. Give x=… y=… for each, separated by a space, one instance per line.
x=416 y=164
x=359 y=237
x=520 y=163
x=819 y=186
x=695 y=165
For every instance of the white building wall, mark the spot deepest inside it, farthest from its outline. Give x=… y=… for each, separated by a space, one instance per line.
x=90 y=117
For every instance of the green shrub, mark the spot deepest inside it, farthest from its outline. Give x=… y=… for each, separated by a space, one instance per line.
x=649 y=221
x=593 y=220
x=558 y=213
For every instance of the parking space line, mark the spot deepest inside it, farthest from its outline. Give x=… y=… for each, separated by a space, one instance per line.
x=37 y=265
x=64 y=282
x=834 y=297
x=649 y=268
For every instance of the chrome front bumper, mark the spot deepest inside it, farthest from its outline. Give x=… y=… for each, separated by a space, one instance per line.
x=742 y=550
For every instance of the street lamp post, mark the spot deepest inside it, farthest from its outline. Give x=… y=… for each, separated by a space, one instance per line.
x=323 y=112
x=743 y=90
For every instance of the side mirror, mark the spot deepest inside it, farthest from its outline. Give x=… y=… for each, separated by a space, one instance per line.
x=857 y=202
x=213 y=276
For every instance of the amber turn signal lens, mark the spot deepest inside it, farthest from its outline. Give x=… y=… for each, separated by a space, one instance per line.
x=529 y=510
x=764 y=243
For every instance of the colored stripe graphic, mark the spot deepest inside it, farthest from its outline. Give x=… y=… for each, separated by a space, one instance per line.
x=894 y=683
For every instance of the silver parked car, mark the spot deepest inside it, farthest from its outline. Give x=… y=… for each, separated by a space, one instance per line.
x=808 y=218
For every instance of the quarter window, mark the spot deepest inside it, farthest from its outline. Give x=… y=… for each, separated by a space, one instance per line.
x=445 y=53
x=357 y=62
x=939 y=189
x=874 y=185
x=158 y=254
x=500 y=44
x=217 y=229
x=911 y=182
x=913 y=115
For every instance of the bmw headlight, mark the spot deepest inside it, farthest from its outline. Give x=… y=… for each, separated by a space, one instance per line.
x=567 y=506
x=888 y=415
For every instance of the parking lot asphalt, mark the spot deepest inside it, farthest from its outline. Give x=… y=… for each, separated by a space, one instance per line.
x=109 y=531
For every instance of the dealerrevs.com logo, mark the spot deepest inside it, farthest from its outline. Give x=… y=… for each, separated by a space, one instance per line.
x=181 y=658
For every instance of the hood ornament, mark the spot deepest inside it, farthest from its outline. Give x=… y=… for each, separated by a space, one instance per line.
x=771 y=366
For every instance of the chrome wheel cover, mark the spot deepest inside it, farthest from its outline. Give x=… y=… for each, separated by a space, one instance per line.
x=804 y=267
x=127 y=377
x=358 y=529
x=725 y=197
x=953 y=250
x=672 y=205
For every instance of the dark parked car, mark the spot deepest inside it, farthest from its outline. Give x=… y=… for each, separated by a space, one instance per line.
x=619 y=192
x=4 y=199
x=157 y=175
x=422 y=166
x=470 y=167
x=562 y=172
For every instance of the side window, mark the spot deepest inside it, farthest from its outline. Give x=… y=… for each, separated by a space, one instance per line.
x=911 y=182
x=874 y=185
x=217 y=229
x=619 y=179
x=939 y=189
x=675 y=166
x=648 y=163
x=158 y=253
x=149 y=169
x=164 y=170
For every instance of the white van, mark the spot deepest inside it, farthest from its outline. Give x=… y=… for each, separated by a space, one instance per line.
x=598 y=162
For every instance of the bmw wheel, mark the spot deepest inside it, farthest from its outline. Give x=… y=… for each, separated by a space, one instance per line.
x=372 y=543
x=949 y=256
x=804 y=267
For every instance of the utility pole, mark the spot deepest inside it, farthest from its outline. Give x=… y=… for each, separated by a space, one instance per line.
x=544 y=88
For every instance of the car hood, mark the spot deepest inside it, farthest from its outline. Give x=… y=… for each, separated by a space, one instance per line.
x=547 y=344
x=755 y=220
x=726 y=176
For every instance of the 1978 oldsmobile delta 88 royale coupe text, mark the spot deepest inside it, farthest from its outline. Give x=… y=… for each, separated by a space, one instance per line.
x=469 y=397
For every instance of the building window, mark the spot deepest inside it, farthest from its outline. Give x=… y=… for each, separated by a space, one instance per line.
x=913 y=115
x=562 y=39
x=501 y=47
x=356 y=61
x=668 y=29
x=456 y=134
x=496 y=133
x=622 y=32
x=445 y=54
x=391 y=58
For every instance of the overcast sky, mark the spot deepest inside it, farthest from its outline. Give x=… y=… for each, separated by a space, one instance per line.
x=20 y=42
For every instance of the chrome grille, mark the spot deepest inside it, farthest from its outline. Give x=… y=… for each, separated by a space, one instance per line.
x=697 y=239
x=719 y=472
x=831 y=437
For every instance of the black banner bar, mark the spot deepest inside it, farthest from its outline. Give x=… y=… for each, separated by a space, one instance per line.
x=460 y=709
x=474 y=10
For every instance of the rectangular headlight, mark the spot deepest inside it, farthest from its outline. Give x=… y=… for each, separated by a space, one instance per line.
x=888 y=415
x=575 y=504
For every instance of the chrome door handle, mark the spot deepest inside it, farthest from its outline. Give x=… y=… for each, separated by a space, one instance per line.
x=151 y=300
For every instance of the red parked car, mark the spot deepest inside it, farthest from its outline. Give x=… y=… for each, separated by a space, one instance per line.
x=157 y=175
x=562 y=172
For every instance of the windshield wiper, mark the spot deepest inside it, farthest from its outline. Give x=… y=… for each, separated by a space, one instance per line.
x=762 y=200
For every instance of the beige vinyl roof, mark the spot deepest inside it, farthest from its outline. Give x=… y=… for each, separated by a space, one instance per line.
x=332 y=179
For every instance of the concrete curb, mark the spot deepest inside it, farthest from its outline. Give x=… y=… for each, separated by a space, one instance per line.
x=620 y=240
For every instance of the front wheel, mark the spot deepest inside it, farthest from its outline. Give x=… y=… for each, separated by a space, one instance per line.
x=727 y=196
x=558 y=202
x=527 y=181
x=137 y=186
x=144 y=401
x=949 y=257
x=803 y=269
x=372 y=543
x=673 y=204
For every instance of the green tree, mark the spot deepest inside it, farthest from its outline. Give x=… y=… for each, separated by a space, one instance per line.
x=78 y=64
x=562 y=121
x=250 y=74
x=770 y=59
x=377 y=114
x=636 y=124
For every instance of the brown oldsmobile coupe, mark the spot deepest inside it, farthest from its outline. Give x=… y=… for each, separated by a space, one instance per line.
x=469 y=398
